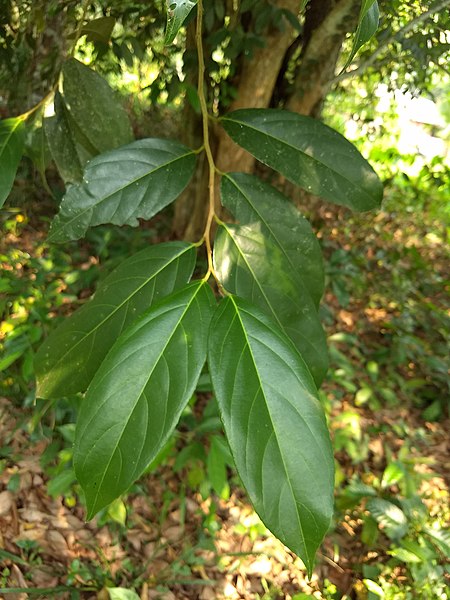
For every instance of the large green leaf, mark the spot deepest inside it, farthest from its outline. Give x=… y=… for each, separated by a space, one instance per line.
x=12 y=141
x=275 y=425
x=251 y=266
x=308 y=153
x=68 y=359
x=369 y=17
x=137 y=396
x=177 y=11
x=250 y=200
x=120 y=186
x=94 y=107
x=69 y=154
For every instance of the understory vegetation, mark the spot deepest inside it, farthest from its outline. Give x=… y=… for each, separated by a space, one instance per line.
x=186 y=529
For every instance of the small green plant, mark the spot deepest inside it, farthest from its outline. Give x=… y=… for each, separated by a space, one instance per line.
x=137 y=349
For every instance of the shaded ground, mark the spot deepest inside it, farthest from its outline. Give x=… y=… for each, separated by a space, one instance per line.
x=151 y=553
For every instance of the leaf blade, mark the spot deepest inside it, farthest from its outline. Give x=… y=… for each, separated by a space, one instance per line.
x=249 y=199
x=177 y=12
x=12 y=142
x=274 y=423
x=85 y=337
x=307 y=152
x=69 y=156
x=93 y=105
x=138 y=394
x=134 y=181
x=369 y=17
x=250 y=266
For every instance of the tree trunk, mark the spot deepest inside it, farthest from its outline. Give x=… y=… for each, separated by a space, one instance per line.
x=257 y=80
x=326 y=25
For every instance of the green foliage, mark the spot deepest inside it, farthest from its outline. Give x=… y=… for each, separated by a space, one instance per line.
x=268 y=401
x=251 y=200
x=249 y=265
x=367 y=27
x=139 y=347
x=124 y=295
x=308 y=153
x=137 y=396
x=134 y=181
x=177 y=12
x=93 y=107
x=12 y=141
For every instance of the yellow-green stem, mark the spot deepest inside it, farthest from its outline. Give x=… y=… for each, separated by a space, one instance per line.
x=205 y=119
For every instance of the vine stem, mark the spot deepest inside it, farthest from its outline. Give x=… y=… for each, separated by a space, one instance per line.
x=207 y=146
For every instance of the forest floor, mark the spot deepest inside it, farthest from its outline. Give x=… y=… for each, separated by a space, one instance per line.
x=386 y=396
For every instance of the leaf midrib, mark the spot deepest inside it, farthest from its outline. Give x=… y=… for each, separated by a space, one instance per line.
x=269 y=135
x=271 y=231
x=247 y=342
x=119 y=306
x=138 y=396
x=224 y=225
x=85 y=188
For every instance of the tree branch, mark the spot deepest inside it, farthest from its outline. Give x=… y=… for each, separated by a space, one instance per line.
x=395 y=36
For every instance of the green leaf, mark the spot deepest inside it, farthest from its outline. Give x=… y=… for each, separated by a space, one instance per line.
x=250 y=200
x=69 y=155
x=216 y=468
x=389 y=516
x=308 y=153
x=120 y=186
x=275 y=425
x=99 y=30
x=177 y=11
x=122 y=594
x=251 y=266
x=12 y=141
x=374 y=588
x=440 y=538
x=369 y=17
x=117 y=511
x=94 y=107
x=37 y=148
x=136 y=397
x=68 y=359
x=394 y=472
x=61 y=484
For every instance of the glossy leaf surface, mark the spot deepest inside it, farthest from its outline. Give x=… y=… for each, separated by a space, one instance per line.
x=177 y=11
x=369 y=17
x=275 y=425
x=12 y=141
x=120 y=186
x=137 y=396
x=251 y=200
x=251 y=266
x=308 y=153
x=95 y=107
x=68 y=359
